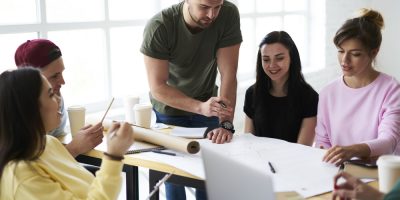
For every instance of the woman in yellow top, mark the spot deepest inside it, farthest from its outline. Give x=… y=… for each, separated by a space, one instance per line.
x=34 y=165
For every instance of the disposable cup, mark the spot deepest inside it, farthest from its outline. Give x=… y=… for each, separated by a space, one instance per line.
x=388 y=171
x=129 y=103
x=76 y=115
x=143 y=115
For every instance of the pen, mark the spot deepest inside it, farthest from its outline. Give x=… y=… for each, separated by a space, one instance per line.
x=222 y=104
x=271 y=167
x=341 y=168
x=163 y=152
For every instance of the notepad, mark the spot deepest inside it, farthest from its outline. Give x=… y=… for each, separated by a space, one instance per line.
x=194 y=133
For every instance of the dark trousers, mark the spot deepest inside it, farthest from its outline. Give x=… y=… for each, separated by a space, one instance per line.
x=173 y=191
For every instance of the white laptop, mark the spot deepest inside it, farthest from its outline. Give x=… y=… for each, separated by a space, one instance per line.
x=227 y=179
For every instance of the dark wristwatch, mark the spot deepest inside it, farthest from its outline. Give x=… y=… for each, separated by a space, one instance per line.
x=228 y=126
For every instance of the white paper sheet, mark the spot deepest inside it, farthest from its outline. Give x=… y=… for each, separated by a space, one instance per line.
x=298 y=168
x=190 y=163
x=195 y=133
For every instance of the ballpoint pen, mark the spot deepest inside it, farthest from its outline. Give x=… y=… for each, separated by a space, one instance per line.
x=271 y=167
x=341 y=167
x=222 y=104
x=163 y=152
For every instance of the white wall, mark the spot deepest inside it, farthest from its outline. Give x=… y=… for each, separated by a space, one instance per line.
x=388 y=59
x=337 y=11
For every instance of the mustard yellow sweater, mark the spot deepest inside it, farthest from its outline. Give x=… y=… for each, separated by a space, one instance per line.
x=56 y=175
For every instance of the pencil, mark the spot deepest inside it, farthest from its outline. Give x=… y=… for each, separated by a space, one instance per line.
x=109 y=106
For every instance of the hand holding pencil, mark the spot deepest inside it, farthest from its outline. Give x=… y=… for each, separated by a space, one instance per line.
x=119 y=138
x=88 y=137
x=217 y=106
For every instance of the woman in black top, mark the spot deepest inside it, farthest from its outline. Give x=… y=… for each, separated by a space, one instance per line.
x=280 y=104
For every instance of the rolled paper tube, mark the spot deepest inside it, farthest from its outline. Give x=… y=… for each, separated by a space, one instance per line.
x=165 y=140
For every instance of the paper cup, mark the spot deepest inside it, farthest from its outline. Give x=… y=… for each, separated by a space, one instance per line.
x=129 y=103
x=388 y=172
x=76 y=115
x=143 y=115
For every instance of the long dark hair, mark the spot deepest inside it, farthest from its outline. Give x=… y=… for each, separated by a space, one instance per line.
x=295 y=83
x=295 y=80
x=22 y=132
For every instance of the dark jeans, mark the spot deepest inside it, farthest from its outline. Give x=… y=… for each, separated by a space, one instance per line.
x=173 y=191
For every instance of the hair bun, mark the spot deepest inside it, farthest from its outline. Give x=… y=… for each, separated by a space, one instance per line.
x=372 y=16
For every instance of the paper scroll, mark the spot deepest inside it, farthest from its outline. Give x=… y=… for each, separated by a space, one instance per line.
x=168 y=141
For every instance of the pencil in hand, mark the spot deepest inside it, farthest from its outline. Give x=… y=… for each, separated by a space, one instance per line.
x=109 y=106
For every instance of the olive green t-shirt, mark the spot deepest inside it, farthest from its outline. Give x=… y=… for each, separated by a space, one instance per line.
x=192 y=57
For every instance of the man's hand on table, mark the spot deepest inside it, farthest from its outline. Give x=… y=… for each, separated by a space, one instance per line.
x=220 y=135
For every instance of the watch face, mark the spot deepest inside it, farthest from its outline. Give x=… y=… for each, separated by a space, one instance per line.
x=227 y=125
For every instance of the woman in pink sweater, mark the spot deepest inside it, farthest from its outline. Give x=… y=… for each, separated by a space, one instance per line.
x=359 y=113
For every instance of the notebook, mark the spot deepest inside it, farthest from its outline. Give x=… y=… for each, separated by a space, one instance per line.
x=229 y=179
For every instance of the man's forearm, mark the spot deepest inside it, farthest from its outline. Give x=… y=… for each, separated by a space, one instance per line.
x=228 y=91
x=227 y=59
x=177 y=99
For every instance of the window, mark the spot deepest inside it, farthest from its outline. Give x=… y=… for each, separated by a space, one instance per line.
x=100 y=39
x=302 y=19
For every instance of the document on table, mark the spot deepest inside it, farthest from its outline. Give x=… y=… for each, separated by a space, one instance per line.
x=190 y=163
x=297 y=167
x=194 y=133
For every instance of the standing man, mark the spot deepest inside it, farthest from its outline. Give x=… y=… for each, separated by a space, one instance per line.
x=45 y=55
x=184 y=46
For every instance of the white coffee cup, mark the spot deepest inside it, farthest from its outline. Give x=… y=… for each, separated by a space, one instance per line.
x=76 y=115
x=143 y=115
x=388 y=172
x=129 y=103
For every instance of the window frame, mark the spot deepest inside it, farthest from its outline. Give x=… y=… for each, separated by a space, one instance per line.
x=42 y=27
